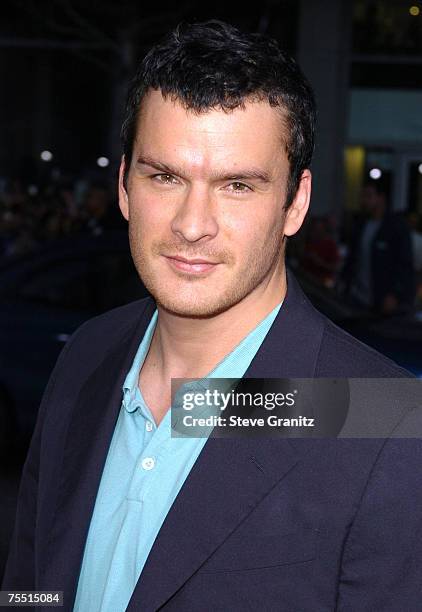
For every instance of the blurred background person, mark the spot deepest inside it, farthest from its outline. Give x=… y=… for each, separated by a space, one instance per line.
x=415 y=223
x=321 y=255
x=99 y=210
x=379 y=271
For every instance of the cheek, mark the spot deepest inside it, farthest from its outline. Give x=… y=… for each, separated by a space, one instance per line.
x=251 y=230
x=148 y=217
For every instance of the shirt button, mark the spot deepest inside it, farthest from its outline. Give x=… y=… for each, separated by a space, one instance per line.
x=149 y=426
x=148 y=463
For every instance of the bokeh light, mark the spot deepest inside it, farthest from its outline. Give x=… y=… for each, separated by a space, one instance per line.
x=46 y=156
x=375 y=173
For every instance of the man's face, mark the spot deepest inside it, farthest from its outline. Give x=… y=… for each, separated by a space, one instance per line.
x=204 y=201
x=372 y=201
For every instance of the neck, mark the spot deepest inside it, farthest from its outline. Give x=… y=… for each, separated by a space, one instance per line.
x=177 y=347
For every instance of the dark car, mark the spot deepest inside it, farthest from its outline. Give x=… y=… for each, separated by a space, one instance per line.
x=44 y=297
x=398 y=337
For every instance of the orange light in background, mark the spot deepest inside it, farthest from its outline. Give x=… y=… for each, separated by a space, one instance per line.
x=414 y=11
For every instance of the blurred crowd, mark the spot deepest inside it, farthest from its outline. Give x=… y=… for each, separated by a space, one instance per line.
x=369 y=257
x=31 y=216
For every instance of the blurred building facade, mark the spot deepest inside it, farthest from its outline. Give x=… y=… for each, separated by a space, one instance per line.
x=385 y=116
x=65 y=74
x=364 y=59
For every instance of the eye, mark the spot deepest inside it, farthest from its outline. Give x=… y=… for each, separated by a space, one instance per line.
x=237 y=187
x=164 y=179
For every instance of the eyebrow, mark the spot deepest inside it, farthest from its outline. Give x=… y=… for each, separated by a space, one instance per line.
x=244 y=174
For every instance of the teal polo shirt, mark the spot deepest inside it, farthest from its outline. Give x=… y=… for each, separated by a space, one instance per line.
x=144 y=471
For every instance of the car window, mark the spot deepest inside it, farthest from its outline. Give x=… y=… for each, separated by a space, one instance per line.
x=94 y=284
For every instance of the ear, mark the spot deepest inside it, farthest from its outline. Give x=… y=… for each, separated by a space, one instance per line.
x=296 y=212
x=123 y=198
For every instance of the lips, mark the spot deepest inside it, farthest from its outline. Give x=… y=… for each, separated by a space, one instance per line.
x=193 y=266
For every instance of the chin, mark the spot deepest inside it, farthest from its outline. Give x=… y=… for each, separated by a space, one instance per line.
x=196 y=297
x=195 y=302
x=191 y=308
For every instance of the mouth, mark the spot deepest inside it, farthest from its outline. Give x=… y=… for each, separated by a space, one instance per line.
x=192 y=266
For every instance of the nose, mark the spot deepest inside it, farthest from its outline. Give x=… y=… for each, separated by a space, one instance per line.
x=195 y=218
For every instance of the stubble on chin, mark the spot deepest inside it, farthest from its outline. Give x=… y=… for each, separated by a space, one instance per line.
x=197 y=297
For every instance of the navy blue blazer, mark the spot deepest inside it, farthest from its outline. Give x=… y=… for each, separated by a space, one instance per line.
x=260 y=524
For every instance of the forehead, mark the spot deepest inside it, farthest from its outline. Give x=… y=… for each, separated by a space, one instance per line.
x=254 y=132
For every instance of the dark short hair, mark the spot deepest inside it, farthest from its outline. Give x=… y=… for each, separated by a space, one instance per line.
x=213 y=65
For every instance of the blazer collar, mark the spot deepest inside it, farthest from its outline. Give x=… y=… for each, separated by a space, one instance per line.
x=200 y=518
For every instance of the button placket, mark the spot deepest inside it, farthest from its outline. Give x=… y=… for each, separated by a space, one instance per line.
x=149 y=463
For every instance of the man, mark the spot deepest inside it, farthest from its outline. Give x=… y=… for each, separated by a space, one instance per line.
x=379 y=271
x=116 y=512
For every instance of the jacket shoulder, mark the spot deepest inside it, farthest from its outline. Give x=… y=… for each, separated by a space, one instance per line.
x=110 y=326
x=341 y=354
x=93 y=339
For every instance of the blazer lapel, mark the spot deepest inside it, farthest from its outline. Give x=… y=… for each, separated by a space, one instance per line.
x=231 y=476
x=226 y=483
x=291 y=347
x=91 y=427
